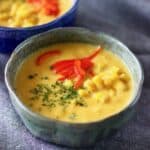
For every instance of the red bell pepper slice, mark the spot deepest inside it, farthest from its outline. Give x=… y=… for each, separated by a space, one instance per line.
x=95 y=53
x=80 y=74
x=63 y=67
x=76 y=69
x=62 y=62
x=69 y=75
x=86 y=63
x=40 y=59
x=66 y=72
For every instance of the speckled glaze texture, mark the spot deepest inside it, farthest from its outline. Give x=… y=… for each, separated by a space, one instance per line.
x=72 y=134
x=11 y=37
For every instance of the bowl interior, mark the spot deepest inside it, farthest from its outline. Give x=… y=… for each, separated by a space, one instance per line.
x=33 y=44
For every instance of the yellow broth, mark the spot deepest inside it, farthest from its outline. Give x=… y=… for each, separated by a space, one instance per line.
x=106 y=93
x=19 y=13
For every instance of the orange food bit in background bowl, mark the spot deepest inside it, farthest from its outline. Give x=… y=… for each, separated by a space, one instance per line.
x=50 y=7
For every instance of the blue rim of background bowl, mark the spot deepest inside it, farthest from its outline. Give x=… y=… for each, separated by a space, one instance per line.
x=55 y=21
x=134 y=100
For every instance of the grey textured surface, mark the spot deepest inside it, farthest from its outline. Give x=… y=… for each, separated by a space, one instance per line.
x=127 y=20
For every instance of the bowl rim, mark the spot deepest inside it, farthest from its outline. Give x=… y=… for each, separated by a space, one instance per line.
x=134 y=99
x=51 y=23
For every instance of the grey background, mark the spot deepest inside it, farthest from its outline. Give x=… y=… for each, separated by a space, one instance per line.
x=129 y=21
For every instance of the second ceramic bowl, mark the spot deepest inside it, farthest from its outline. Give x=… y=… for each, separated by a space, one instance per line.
x=11 y=37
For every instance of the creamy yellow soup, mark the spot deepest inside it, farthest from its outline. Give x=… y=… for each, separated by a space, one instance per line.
x=106 y=92
x=19 y=13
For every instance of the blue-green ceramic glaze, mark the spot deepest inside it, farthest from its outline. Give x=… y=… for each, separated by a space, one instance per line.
x=64 y=133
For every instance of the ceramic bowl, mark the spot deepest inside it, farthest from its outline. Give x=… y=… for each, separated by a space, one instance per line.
x=11 y=37
x=64 y=133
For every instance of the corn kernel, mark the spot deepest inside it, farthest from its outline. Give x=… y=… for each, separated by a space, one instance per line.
x=90 y=85
x=111 y=93
x=23 y=13
x=83 y=93
x=68 y=83
x=98 y=82
x=101 y=97
x=119 y=86
x=124 y=77
x=4 y=16
x=110 y=75
x=14 y=7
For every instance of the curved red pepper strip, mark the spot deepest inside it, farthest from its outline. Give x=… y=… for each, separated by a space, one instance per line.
x=95 y=53
x=86 y=62
x=63 y=67
x=76 y=68
x=66 y=72
x=80 y=74
x=67 y=75
x=40 y=59
x=62 y=62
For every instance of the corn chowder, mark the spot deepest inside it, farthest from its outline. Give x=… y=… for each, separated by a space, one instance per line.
x=27 y=13
x=74 y=82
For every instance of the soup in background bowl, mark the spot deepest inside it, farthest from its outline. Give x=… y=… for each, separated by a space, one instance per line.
x=27 y=13
x=78 y=86
x=16 y=27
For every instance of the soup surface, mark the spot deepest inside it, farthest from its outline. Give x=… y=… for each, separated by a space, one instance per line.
x=27 y=13
x=75 y=82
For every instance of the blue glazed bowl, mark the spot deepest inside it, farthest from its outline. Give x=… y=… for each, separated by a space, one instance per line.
x=11 y=37
x=65 y=133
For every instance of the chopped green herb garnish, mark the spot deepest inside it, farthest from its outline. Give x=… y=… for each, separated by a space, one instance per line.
x=56 y=94
x=81 y=103
x=32 y=76
x=44 y=78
